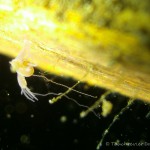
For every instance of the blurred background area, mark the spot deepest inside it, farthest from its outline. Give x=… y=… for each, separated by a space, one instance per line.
x=40 y=125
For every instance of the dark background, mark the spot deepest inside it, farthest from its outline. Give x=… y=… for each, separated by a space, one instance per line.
x=26 y=125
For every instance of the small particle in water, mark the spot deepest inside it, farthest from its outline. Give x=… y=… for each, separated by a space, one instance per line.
x=32 y=115
x=8 y=116
x=75 y=141
x=106 y=108
x=148 y=115
x=63 y=119
x=75 y=121
x=25 y=139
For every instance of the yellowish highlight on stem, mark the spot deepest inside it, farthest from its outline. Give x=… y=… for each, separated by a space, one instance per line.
x=64 y=41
